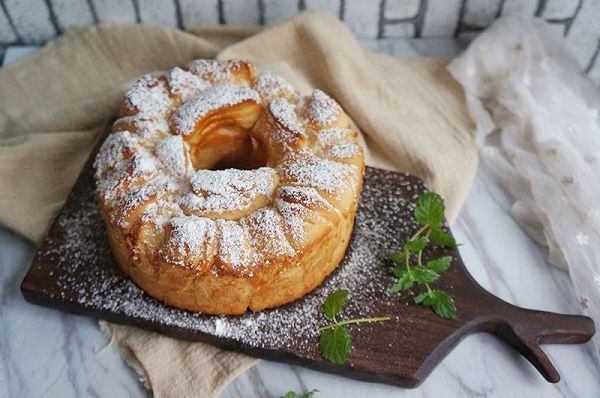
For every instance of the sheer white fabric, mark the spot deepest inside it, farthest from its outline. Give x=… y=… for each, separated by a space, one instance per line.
x=538 y=128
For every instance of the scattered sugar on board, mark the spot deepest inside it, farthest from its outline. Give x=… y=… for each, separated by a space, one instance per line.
x=87 y=269
x=87 y=275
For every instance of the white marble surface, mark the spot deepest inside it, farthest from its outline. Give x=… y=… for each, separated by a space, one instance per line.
x=44 y=352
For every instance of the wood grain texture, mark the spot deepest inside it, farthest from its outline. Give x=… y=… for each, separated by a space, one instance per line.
x=401 y=352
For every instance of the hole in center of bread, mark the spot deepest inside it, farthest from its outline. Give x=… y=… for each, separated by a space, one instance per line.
x=225 y=142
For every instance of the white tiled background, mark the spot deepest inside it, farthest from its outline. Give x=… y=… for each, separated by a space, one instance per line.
x=33 y=22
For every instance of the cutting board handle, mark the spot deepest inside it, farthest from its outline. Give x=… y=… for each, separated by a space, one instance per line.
x=525 y=329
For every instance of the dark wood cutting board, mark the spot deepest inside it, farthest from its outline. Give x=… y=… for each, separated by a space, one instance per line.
x=74 y=271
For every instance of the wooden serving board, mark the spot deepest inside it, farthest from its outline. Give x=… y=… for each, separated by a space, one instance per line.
x=74 y=271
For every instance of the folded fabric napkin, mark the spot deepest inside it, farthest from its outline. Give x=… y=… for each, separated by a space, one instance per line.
x=56 y=102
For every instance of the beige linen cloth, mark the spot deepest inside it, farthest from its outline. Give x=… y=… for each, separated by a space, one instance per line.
x=55 y=103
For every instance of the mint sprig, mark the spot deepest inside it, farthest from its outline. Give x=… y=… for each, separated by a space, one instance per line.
x=335 y=341
x=292 y=394
x=334 y=303
x=429 y=212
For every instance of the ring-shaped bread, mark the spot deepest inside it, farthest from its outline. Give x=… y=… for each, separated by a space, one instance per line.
x=222 y=191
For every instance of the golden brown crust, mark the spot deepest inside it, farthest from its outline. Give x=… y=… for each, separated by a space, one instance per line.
x=224 y=241
x=202 y=291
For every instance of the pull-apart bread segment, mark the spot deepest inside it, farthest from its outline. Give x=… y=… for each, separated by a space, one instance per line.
x=224 y=191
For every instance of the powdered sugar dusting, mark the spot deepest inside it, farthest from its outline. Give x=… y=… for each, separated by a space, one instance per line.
x=114 y=150
x=343 y=150
x=228 y=190
x=185 y=84
x=334 y=135
x=191 y=236
x=308 y=197
x=139 y=196
x=145 y=171
x=85 y=275
x=295 y=216
x=160 y=212
x=236 y=250
x=149 y=96
x=120 y=162
x=265 y=227
x=147 y=128
x=271 y=86
x=321 y=174
x=187 y=115
x=171 y=151
x=285 y=115
x=322 y=109
x=143 y=163
x=218 y=71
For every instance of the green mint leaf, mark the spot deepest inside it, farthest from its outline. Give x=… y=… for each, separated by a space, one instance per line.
x=399 y=271
x=439 y=265
x=429 y=209
x=424 y=275
x=416 y=245
x=334 y=302
x=403 y=283
x=292 y=394
x=395 y=257
x=420 y=298
x=440 y=302
x=439 y=237
x=335 y=344
x=443 y=304
x=429 y=212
